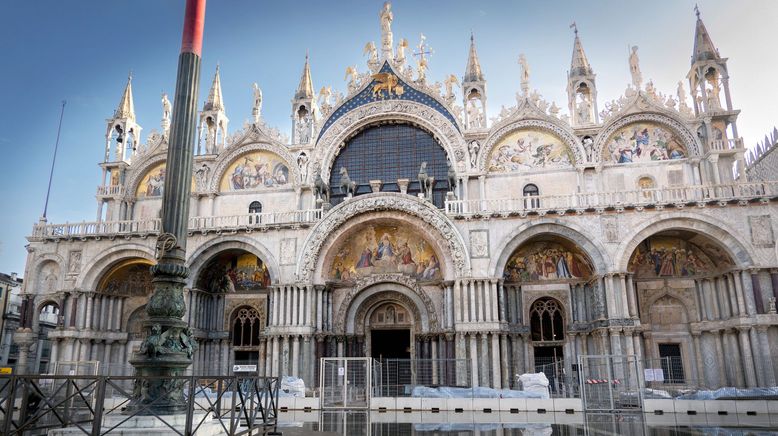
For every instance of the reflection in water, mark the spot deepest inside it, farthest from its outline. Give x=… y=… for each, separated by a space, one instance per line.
x=364 y=423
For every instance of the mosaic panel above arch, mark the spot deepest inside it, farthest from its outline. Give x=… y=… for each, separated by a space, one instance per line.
x=152 y=184
x=384 y=247
x=677 y=254
x=256 y=170
x=528 y=149
x=547 y=258
x=643 y=141
x=130 y=278
x=234 y=271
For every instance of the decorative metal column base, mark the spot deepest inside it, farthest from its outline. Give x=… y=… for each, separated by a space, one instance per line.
x=166 y=352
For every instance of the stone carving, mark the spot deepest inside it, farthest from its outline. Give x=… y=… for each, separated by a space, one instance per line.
x=634 y=68
x=166 y=113
x=201 y=178
x=525 y=72
x=302 y=164
x=473 y=149
x=352 y=75
x=372 y=53
x=386 y=17
x=479 y=244
x=761 y=230
x=303 y=128
x=449 y=235
x=256 y=108
x=366 y=282
x=475 y=118
x=288 y=251
x=74 y=262
x=449 y=83
x=348 y=187
x=610 y=228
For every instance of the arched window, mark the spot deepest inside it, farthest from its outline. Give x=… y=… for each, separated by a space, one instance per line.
x=546 y=322
x=246 y=328
x=531 y=190
x=389 y=152
x=254 y=208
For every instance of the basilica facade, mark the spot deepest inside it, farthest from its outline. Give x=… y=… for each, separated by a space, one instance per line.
x=398 y=221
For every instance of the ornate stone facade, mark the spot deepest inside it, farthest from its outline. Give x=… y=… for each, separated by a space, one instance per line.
x=638 y=254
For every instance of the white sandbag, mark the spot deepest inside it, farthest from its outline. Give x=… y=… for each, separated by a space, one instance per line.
x=292 y=386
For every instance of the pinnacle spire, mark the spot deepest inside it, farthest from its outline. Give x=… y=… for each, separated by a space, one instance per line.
x=579 y=65
x=305 y=88
x=215 y=101
x=473 y=71
x=703 y=45
x=126 y=108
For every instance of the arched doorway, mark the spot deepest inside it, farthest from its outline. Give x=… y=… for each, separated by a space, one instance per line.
x=390 y=327
x=547 y=330
x=682 y=277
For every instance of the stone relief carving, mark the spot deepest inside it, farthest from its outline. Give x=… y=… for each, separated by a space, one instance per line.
x=201 y=178
x=365 y=282
x=610 y=228
x=479 y=243
x=288 y=251
x=378 y=202
x=761 y=230
x=74 y=262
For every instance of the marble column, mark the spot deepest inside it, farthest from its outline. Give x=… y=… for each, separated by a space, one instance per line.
x=737 y=286
x=483 y=371
x=504 y=366
x=746 y=356
x=698 y=358
x=764 y=355
x=610 y=297
x=717 y=337
x=496 y=371
x=756 y=287
x=295 y=356
x=473 y=360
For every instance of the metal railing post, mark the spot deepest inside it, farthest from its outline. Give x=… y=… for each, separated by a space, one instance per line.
x=97 y=419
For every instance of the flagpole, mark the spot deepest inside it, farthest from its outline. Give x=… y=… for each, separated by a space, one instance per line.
x=53 y=160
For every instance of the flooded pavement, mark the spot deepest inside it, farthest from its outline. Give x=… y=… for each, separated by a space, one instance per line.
x=366 y=423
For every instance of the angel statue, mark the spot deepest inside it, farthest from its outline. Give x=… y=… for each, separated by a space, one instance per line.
x=353 y=78
x=372 y=52
x=324 y=95
x=634 y=68
x=399 y=58
x=450 y=82
x=256 y=109
x=525 y=72
x=166 y=110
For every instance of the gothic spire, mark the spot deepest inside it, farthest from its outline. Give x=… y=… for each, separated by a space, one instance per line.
x=703 y=46
x=579 y=65
x=126 y=108
x=305 y=88
x=215 y=101
x=473 y=71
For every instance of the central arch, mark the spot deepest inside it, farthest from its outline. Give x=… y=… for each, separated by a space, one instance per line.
x=413 y=210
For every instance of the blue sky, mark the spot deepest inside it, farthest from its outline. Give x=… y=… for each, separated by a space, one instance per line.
x=82 y=50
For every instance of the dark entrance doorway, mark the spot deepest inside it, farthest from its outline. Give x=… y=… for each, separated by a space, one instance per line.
x=549 y=360
x=390 y=344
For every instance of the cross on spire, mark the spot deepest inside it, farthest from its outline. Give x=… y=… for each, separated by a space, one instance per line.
x=423 y=49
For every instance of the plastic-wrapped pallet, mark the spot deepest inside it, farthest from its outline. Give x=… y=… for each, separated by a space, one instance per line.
x=537 y=383
x=292 y=387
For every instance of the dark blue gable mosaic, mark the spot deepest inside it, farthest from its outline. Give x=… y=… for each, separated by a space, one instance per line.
x=366 y=96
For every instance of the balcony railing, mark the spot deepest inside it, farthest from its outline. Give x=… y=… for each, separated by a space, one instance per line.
x=110 y=190
x=640 y=198
x=196 y=224
x=726 y=144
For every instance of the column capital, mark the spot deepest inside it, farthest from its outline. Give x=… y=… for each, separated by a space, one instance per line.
x=761 y=328
x=743 y=329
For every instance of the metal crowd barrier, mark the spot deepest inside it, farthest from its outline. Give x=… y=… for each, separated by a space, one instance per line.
x=97 y=405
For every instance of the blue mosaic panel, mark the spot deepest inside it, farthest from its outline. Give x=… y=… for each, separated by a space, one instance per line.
x=366 y=96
